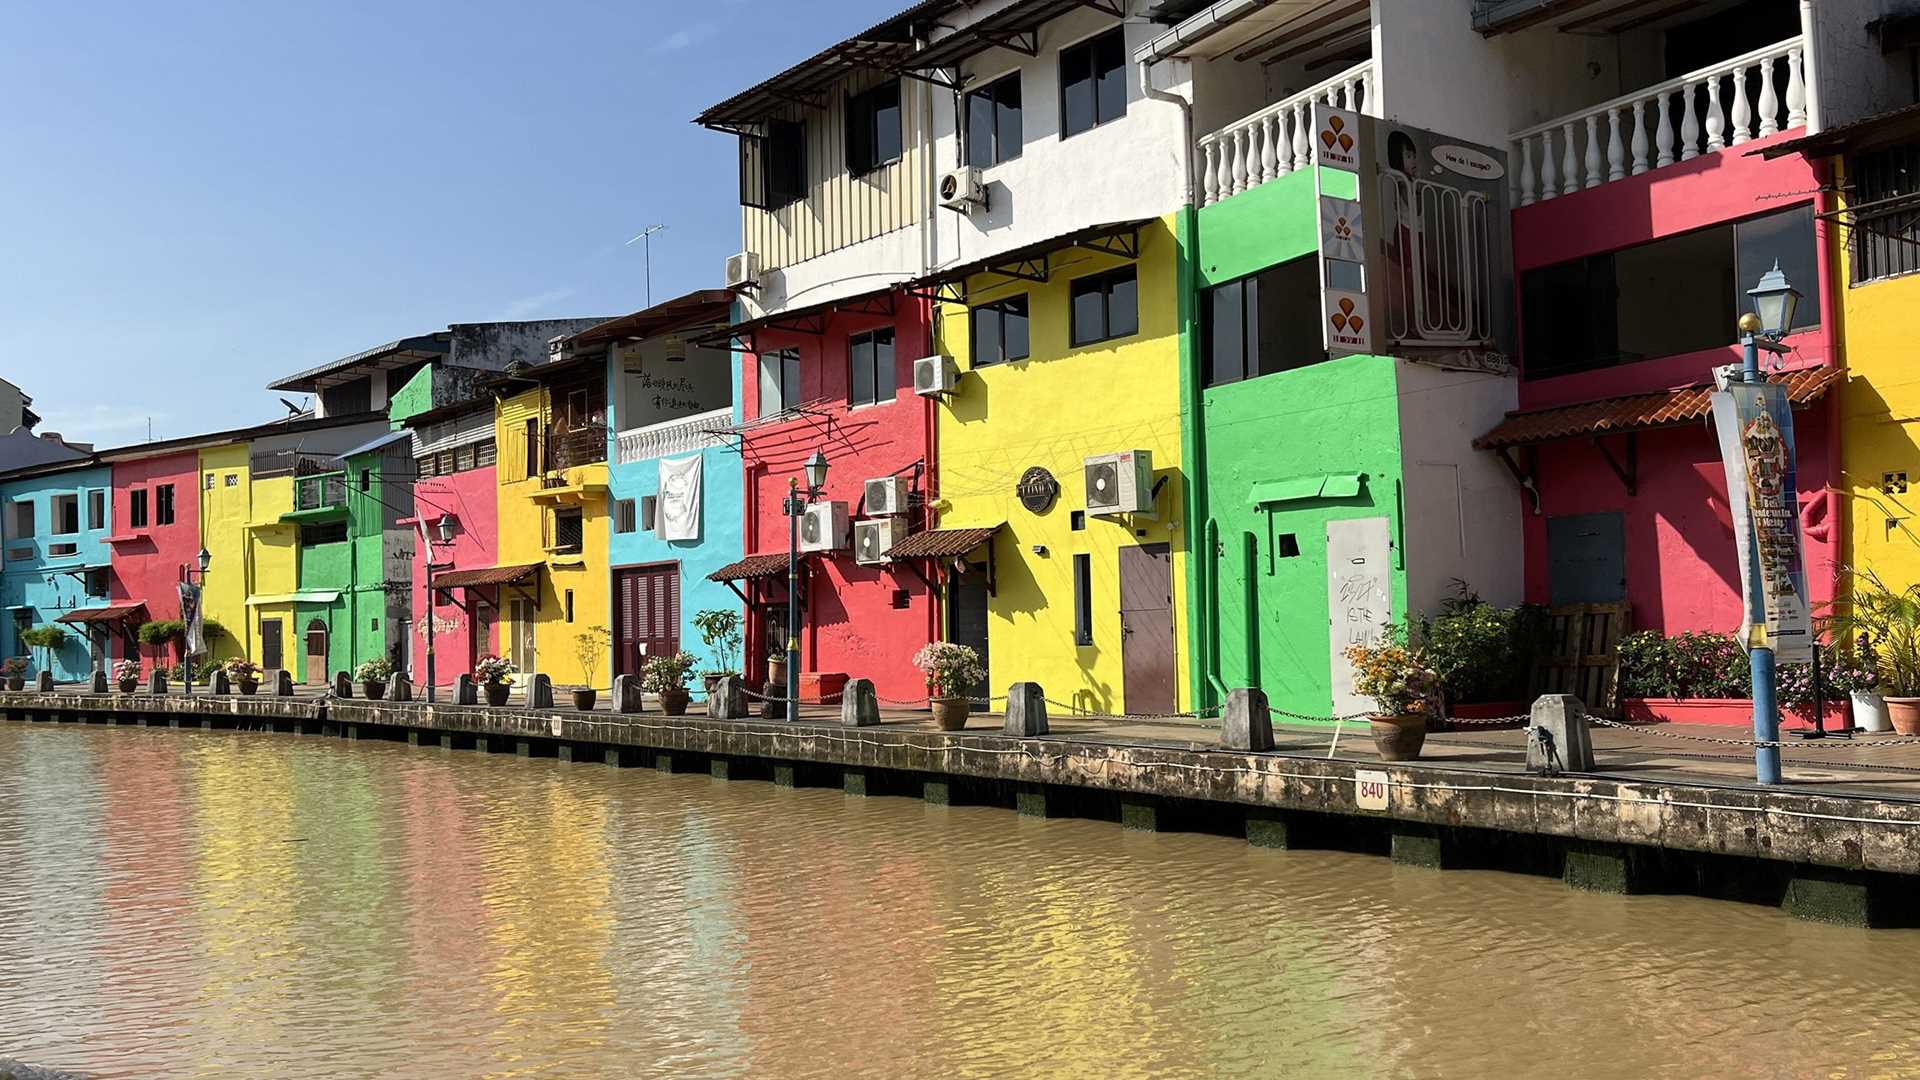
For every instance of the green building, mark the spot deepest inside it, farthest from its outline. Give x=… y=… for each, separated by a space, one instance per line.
x=355 y=560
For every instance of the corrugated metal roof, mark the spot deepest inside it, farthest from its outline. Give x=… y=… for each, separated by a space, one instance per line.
x=388 y=439
x=942 y=543
x=420 y=347
x=885 y=46
x=1639 y=412
x=698 y=308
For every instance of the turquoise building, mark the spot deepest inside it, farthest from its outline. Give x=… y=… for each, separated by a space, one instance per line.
x=55 y=565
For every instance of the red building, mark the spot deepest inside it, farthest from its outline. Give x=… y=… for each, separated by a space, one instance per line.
x=155 y=536
x=454 y=455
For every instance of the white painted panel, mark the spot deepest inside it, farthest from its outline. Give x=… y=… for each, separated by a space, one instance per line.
x=1359 y=598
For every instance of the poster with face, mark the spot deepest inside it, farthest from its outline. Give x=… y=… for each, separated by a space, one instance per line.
x=1754 y=423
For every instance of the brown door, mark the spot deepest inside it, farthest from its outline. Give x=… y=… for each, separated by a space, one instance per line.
x=272 y=657
x=316 y=653
x=1146 y=628
x=480 y=644
x=646 y=615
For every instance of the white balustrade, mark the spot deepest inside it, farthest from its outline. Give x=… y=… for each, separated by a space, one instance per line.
x=1725 y=105
x=1278 y=139
x=683 y=436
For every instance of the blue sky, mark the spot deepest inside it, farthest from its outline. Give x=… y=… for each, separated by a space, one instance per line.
x=197 y=198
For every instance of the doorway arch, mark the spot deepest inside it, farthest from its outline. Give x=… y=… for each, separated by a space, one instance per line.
x=317 y=652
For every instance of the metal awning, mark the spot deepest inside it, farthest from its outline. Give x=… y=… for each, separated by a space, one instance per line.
x=1298 y=488
x=1032 y=262
x=702 y=307
x=811 y=319
x=487 y=576
x=394 y=354
x=1881 y=129
x=1640 y=412
x=942 y=543
x=304 y=596
x=112 y=613
x=1016 y=27
x=884 y=47
x=388 y=439
x=753 y=568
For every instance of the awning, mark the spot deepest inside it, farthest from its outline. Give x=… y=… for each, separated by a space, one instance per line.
x=752 y=568
x=941 y=543
x=385 y=440
x=304 y=596
x=1641 y=412
x=112 y=613
x=1015 y=26
x=492 y=575
x=886 y=47
x=700 y=308
x=1880 y=129
x=811 y=319
x=1295 y=489
x=1032 y=262
x=394 y=354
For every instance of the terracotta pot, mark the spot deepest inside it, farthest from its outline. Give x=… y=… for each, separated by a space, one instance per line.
x=950 y=713
x=248 y=686
x=674 y=702
x=16 y=682
x=128 y=686
x=1905 y=714
x=373 y=690
x=497 y=693
x=583 y=699
x=1399 y=738
x=776 y=676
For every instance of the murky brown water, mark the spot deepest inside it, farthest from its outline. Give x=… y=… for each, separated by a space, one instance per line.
x=189 y=904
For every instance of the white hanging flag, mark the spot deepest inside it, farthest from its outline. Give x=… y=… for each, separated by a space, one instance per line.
x=679 y=507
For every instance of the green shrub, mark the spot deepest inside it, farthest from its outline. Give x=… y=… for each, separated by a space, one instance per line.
x=1696 y=664
x=162 y=632
x=1480 y=652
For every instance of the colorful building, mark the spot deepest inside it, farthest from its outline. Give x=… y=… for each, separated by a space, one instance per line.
x=457 y=490
x=54 y=564
x=156 y=536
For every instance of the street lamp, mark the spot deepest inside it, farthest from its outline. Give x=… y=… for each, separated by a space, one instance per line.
x=795 y=506
x=443 y=533
x=190 y=593
x=1774 y=299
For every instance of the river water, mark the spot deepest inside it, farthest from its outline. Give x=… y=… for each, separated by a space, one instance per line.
x=181 y=903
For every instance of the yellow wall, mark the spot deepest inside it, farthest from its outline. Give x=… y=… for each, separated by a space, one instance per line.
x=224 y=512
x=1055 y=409
x=273 y=551
x=526 y=525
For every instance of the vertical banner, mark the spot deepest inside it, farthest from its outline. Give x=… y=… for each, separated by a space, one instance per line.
x=1754 y=422
x=1346 y=319
x=679 y=507
x=190 y=615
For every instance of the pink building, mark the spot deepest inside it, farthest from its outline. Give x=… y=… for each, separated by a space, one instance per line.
x=453 y=449
x=154 y=536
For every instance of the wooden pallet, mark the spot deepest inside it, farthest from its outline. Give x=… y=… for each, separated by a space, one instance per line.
x=1582 y=655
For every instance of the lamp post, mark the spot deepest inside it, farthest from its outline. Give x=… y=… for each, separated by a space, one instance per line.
x=1774 y=300
x=191 y=592
x=795 y=506
x=443 y=532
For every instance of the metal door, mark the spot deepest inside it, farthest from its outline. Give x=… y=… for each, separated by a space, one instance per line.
x=1146 y=628
x=967 y=621
x=1359 y=598
x=480 y=642
x=316 y=653
x=647 y=615
x=1587 y=558
x=272 y=654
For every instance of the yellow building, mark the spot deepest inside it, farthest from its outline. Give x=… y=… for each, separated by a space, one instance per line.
x=1070 y=353
x=552 y=471
x=226 y=493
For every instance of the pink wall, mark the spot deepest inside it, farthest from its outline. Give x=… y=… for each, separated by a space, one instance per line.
x=147 y=562
x=471 y=497
x=852 y=624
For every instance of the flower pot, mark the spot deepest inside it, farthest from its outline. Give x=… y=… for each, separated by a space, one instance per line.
x=1905 y=714
x=373 y=689
x=1399 y=738
x=674 y=702
x=950 y=713
x=248 y=686
x=583 y=699
x=497 y=693
x=128 y=686
x=16 y=682
x=1870 y=711
x=776 y=677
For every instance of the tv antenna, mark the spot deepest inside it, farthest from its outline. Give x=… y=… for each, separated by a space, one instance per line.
x=646 y=239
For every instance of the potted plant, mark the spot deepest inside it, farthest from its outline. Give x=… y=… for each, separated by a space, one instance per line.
x=495 y=676
x=666 y=677
x=1403 y=689
x=589 y=646
x=776 y=671
x=1890 y=621
x=951 y=670
x=48 y=639
x=372 y=677
x=244 y=673
x=1853 y=673
x=14 y=669
x=126 y=673
x=720 y=632
x=1482 y=654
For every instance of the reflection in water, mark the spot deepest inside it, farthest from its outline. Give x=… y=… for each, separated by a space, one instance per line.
x=183 y=904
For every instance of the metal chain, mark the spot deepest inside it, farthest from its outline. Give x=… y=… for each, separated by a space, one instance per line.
x=1750 y=744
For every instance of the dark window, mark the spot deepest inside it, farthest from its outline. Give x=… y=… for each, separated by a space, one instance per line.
x=1083 y=599
x=1105 y=306
x=1077 y=520
x=1000 y=331
x=423 y=465
x=1675 y=295
x=785 y=153
x=623 y=515
x=567 y=532
x=483 y=453
x=97 y=509
x=994 y=129
x=1287 y=545
x=349 y=398
x=1885 y=238
x=779 y=380
x=96 y=583
x=1264 y=323
x=873 y=128
x=871 y=355
x=1093 y=82
x=163 y=504
x=366 y=479
x=532 y=432
x=137 y=508
x=66 y=515
x=569 y=605
x=330 y=533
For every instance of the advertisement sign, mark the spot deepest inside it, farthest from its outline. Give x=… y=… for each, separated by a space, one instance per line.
x=1336 y=137
x=190 y=615
x=1754 y=422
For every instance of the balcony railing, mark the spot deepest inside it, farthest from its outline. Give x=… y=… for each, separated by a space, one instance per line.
x=583 y=445
x=1279 y=138
x=680 y=436
x=1751 y=96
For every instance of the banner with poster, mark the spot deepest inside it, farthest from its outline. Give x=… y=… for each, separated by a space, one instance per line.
x=1754 y=422
x=196 y=631
x=678 y=510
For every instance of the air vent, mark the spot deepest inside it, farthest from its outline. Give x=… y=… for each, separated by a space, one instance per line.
x=886 y=496
x=1120 y=483
x=824 y=527
x=935 y=375
x=872 y=539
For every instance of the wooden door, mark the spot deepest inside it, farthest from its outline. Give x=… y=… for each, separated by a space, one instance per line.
x=272 y=647
x=520 y=619
x=967 y=622
x=480 y=641
x=646 y=615
x=316 y=653
x=1146 y=628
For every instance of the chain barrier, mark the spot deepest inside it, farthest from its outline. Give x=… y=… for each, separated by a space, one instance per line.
x=1752 y=744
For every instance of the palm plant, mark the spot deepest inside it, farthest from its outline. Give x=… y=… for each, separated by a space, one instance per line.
x=1891 y=618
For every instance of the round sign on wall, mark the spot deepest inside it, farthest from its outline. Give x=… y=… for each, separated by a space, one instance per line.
x=1037 y=490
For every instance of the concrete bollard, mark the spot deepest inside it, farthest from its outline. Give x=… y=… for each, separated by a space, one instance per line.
x=283 y=683
x=156 y=683
x=1026 y=710
x=99 y=685
x=342 y=686
x=218 y=684
x=1245 y=723
x=540 y=692
x=728 y=700
x=627 y=699
x=399 y=689
x=1567 y=745
x=858 y=705
x=464 y=691
x=43 y=682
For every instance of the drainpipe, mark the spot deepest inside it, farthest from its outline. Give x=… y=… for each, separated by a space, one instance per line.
x=1209 y=591
x=1810 y=36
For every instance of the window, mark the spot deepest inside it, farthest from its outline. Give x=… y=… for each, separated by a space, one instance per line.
x=444 y=465
x=1675 y=295
x=1083 y=599
x=206 y=483
x=871 y=355
x=62 y=551
x=22 y=622
x=366 y=479
x=423 y=465
x=873 y=128
x=1077 y=520
x=1885 y=238
x=649 y=512
x=96 y=583
x=1093 y=82
x=66 y=514
x=1264 y=323
x=233 y=479
x=569 y=605
x=20 y=520
x=463 y=457
x=994 y=130
x=96 y=509
x=773 y=166
x=137 y=508
x=1000 y=331
x=779 y=380
x=330 y=533
x=483 y=453
x=531 y=430
x=163 y=504
x=1287 y=545
x=623 y=515
x=1105 y=306
x=567 y=535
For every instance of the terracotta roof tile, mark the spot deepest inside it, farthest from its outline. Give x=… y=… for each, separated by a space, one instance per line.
x=491 y=575
x=1639 y=412
x=752 y=568
x=941 y=543
x=110 y=613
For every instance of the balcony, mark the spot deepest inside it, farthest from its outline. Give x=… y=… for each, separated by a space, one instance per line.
x=582 y=445
x=1278 y=139
x=683 y=436
x=1755 y=95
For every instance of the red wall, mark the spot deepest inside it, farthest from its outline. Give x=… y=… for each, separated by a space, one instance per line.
x=147 y=566
x=851 y=622
x=471 y=497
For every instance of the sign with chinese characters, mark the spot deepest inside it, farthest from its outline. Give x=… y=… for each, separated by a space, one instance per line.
x=1754 y=422
x=1359 y=599
x=1346 y=321
x=1336 y=138
x=1037 y=490
x=1340 y=234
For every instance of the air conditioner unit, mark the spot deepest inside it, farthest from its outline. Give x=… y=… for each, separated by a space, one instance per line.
x=1120 y=483
x=743 y=270
x=886 y=496
x=935 y=375
x=963 y=190
x=824 y=527
x=872 y=539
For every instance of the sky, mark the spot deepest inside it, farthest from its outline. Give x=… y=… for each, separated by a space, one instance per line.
x=196 y=199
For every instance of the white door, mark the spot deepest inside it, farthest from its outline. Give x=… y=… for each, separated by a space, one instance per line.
x=1359 y=598
x=521 y=614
